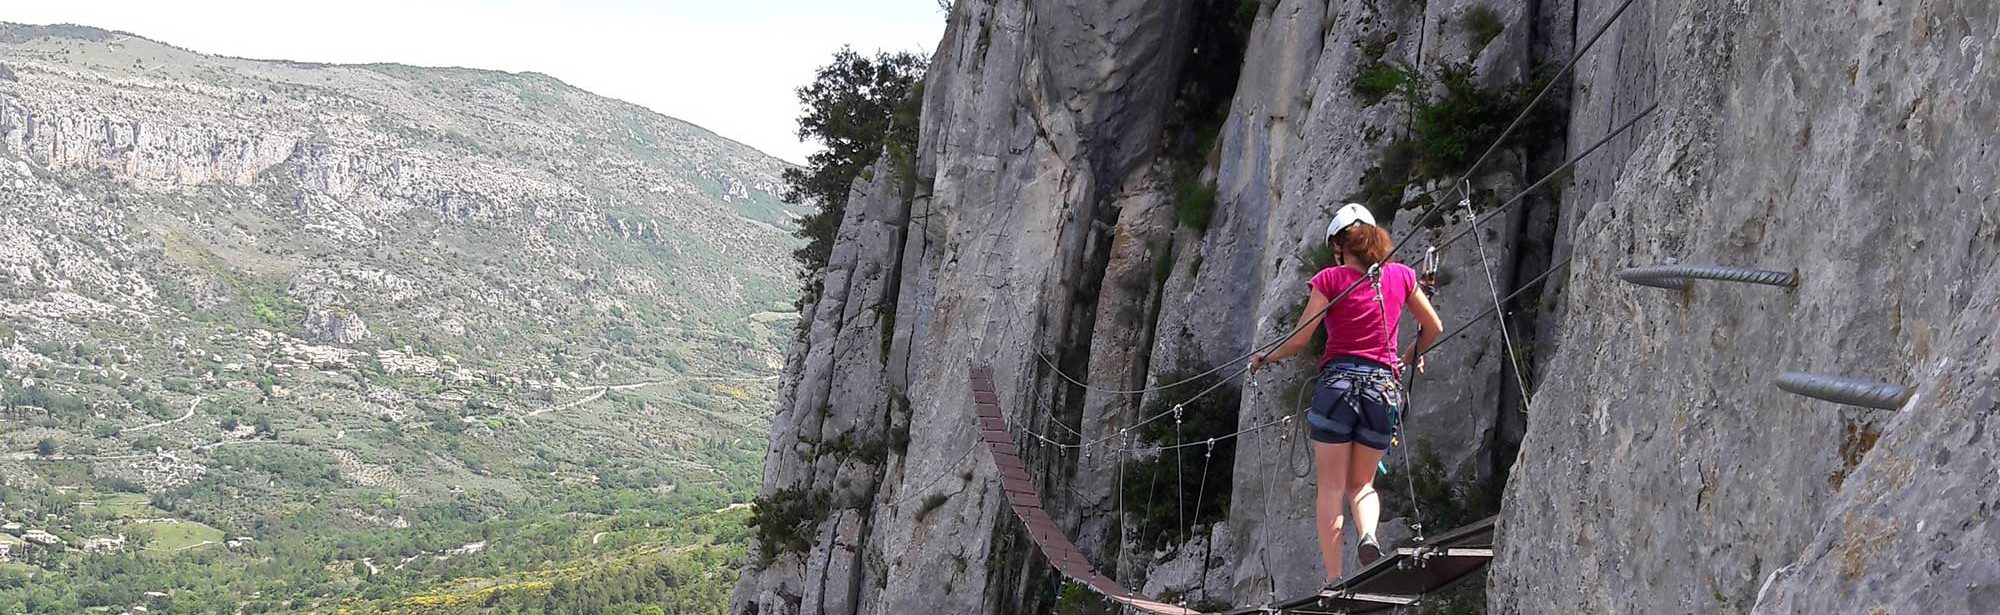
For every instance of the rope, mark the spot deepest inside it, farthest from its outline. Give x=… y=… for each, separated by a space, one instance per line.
x=1493 y=289
x=1201 y=494
x=1134 y=449
x=1123 y=534
x=1410 y=465
x=1263 y=554
x=1448 y=337
x=1180 y=479
x=1239 y=359
x=1292 y=447
x=1551 y=176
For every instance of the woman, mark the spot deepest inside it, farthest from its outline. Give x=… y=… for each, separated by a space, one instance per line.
x=1355 y=406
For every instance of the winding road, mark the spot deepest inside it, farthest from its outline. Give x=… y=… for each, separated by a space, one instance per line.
x=190 y=414
x=599 y=394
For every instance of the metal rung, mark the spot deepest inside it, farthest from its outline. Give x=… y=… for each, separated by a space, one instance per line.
x=1863 y=393
x=1446 y=551
x=1676 y=277
x=1389 y=599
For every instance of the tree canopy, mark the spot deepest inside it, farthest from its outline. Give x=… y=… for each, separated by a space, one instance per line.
x=857 y=107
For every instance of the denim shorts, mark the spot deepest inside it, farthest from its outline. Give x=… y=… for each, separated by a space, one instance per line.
x=1357 y=400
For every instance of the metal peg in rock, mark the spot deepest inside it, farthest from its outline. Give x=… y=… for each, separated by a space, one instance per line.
x=1676 y=277
x=1849 y=391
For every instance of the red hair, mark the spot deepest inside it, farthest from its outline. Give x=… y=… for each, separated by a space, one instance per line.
x=1366 y=242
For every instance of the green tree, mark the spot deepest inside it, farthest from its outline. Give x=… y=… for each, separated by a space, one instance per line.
x=856 y=107
x=46 y=447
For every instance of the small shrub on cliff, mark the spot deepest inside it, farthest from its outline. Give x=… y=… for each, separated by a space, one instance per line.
x=1450 y=130
x=931 y=503
x=1483 y=24
x=1454 y=128
x=1077 y=599
x=787 y=519
x=1378 y=79
x=1196 y=203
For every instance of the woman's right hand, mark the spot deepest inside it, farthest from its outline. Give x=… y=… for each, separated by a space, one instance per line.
x=1415 y=361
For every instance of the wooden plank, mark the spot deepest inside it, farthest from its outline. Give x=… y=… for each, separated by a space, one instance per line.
x=1023 y=500
x=1013 y=470
x=985 y=397
x=1017 y=485
x=992 y=423
x=1157 y=608
x=1062 y=555
x=987 y=410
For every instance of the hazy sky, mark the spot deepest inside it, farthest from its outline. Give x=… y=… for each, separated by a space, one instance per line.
x=727 y=65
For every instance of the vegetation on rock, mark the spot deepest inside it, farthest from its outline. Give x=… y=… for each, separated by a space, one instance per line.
x=858 y=108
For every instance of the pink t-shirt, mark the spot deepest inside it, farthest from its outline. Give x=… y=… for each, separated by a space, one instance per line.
x=1358 y=326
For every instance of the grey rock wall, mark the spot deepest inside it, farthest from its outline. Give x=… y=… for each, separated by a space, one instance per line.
x=1662 y=471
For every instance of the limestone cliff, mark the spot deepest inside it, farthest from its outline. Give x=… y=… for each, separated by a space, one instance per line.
x=1662 y=471
x=1129 y=192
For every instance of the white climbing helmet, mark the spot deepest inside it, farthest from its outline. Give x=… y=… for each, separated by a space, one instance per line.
x=1347 y=216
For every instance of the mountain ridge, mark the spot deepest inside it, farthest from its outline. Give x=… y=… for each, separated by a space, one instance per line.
x=89 y=33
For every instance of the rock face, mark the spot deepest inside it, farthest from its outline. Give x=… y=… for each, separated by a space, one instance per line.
x=1047 y=233
x=1662 y=471
x=334 y=325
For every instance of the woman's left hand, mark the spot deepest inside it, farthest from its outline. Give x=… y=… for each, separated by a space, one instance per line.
x=1259 y=360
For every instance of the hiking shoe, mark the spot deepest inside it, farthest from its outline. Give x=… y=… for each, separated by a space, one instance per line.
x=1369 y=550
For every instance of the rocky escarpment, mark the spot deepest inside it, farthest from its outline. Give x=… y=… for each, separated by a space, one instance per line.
x=1645 y=458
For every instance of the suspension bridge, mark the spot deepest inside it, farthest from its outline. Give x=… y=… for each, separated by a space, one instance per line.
x=1398 y=579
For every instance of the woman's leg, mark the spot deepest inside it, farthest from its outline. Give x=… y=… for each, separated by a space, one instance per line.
x=1330 y=460
x=1365 y=505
